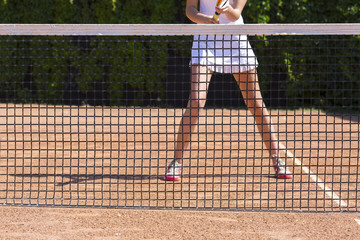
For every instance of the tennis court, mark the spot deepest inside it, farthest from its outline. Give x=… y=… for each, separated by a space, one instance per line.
x=117 y=157
x=89 y=116
x=65 y=223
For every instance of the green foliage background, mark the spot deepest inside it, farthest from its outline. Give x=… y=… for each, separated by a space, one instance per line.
x=317 y=71
x=78 y=63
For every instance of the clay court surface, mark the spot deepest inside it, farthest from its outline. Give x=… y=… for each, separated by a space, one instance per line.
x=58 y=223
x=116 y=157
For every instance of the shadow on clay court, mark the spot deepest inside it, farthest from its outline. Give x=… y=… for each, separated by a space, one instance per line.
x=355 y=118
x=81 y=178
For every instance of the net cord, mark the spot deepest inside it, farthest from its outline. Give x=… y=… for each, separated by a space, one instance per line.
x=177 y=29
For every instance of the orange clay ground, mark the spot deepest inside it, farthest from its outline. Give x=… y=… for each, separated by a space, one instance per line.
x=116 y=157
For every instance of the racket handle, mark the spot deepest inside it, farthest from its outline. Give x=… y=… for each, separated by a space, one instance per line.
x=216 y=16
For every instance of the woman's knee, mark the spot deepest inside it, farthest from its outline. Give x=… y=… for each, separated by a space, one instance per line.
x=194 y=107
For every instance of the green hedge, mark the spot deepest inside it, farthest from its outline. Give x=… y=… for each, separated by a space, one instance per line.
x=311 y=71
x=302 y=11
x=44 y=73
x=315 y=71
x=41 y=73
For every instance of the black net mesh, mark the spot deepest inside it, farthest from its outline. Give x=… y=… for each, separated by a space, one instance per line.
x=95 y=120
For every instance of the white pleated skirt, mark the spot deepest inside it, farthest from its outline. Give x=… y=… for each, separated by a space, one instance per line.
x=223 y=53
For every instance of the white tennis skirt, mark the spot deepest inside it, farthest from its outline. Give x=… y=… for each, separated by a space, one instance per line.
x=223 y=53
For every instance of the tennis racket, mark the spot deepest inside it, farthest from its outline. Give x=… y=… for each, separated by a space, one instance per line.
x=219 y=3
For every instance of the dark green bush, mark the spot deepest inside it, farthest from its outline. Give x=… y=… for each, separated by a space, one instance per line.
x=111 y=69
x=98 y=67
x=319 y=72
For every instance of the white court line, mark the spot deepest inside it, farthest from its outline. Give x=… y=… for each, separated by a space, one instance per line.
x=358 y=221
x=315 y=178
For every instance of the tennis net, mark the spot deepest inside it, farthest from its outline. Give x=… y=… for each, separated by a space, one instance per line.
x=90 y=116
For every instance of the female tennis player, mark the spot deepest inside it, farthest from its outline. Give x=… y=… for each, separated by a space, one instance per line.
x=223 y=54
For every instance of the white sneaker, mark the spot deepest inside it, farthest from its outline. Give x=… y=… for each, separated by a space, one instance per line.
x=281 y=171
x=173 y=172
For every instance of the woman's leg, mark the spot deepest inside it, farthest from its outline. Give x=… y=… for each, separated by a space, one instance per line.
x=200 y=79
x=249 y=86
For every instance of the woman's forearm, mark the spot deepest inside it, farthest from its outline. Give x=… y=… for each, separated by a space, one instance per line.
x=194 y=15
x=233 y=12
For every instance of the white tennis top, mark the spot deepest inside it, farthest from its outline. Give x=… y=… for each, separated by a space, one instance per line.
x=222 y=53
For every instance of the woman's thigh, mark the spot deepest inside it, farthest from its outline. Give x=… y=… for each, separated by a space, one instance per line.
x=200 y=80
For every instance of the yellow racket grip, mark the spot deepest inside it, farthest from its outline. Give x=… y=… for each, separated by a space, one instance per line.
x=216 y=16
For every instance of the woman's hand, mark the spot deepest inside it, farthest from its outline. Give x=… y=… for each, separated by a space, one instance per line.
x=223 y=10
x=211 y=20
x=232 y=11
x=194 y=15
